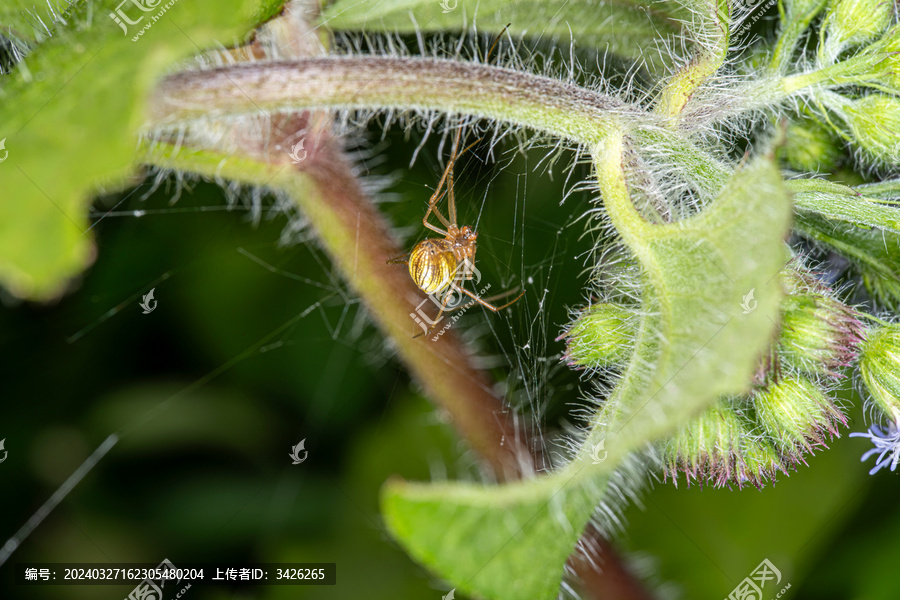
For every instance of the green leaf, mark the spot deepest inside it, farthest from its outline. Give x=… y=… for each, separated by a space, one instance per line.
x=697 y=343
x=510 y=542
x=506 y=542
x=875 y=254
x=70 y=116
x=626 y=28
x=843 y=203
x=889 y=189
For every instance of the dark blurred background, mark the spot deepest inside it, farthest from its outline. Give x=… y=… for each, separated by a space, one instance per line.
x=255 y=346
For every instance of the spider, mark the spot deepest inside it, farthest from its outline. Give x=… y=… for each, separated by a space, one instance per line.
x=436 y=265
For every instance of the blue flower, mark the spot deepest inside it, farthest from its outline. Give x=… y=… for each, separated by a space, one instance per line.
x=887 y=443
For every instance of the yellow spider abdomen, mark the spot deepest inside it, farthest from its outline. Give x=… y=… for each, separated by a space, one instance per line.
x=432 y=265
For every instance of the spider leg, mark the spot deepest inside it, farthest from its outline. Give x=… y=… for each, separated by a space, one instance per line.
x=432 y=208
x=462 y=307
x=448 y=172
x=447 y=177
x=403 y=259
x=486 y=304
x=438 y=192
x=505 y=294
x=452 y=198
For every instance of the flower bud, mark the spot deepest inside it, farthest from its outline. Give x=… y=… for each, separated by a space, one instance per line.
x=602 y=336
x=718 y=448
x=887 y=70
x=858 y=21
x=875 y=122
x=879 y=365
x=810 y=147
x=796 y=415
x=819 y=334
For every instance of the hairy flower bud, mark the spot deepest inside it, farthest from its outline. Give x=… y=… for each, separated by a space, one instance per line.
x=602 y=336
x=719 y=448
x=796 y=415
x=874 y=121
x=887 y=70
x=819 y=334
x=810 y=147
x=879 y=365
x=858 y=21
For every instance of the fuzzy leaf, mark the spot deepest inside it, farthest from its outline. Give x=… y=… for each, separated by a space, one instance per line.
x=624 y=28
x=502 y=542
x=510 y=542
x=889 y=189
x=698 y=341
x=842 y=203
x=69 y=119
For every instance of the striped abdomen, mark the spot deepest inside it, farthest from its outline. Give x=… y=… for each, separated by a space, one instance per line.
x=432 y=265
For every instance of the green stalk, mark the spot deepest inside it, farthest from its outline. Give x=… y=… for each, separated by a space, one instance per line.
x=378 y=83
x=842 y=73
x=790 y=36
x=706 y=63
x=382 y=83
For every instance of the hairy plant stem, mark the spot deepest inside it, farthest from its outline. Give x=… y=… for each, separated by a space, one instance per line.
x=381 y=83
x=793 y=28
x=824 y=186
x=706 y=63
x=609 y=157
x=850 y=71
